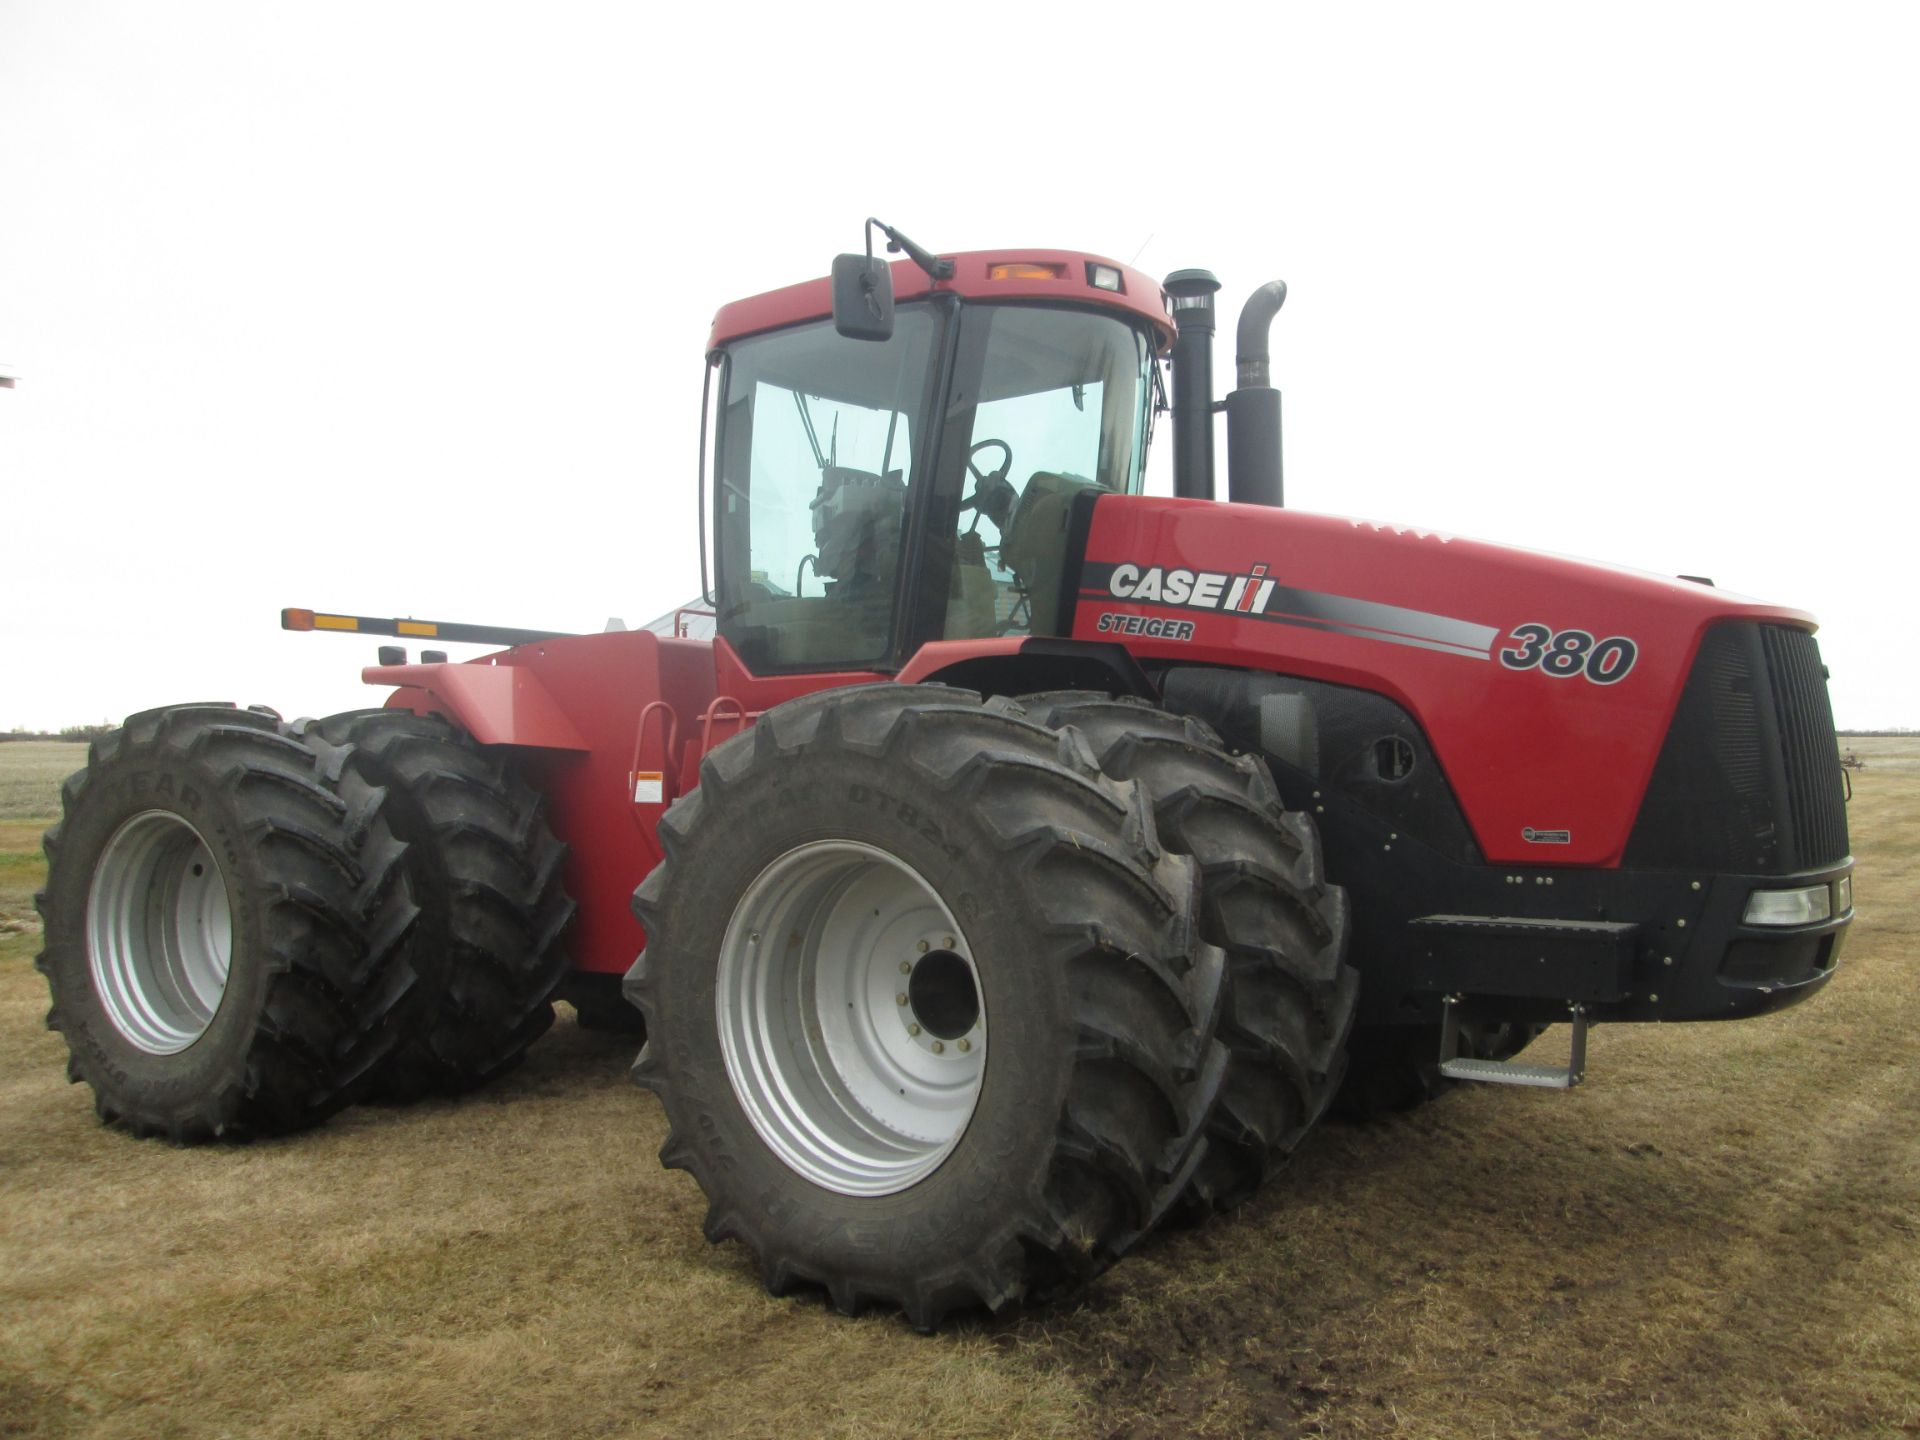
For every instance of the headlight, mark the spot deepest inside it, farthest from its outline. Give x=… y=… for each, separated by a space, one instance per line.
x=1789 y=907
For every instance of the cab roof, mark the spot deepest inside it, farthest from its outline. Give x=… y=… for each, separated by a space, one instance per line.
x=1055 y=275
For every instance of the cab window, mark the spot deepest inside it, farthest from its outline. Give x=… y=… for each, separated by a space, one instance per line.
x=817 y=446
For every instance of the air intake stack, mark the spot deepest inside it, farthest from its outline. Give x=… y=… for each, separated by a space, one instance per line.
x=1192 y=292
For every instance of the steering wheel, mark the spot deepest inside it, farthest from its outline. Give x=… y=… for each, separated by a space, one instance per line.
x=993 y=495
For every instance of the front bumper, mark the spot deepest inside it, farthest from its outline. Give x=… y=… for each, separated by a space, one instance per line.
x=1661 y=946
x=1717 y=966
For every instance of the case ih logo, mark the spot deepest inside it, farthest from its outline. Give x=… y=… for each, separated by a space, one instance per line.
x=1198 y=589
x=1258 y=595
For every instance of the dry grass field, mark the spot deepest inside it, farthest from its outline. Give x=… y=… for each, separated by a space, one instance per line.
x=1719 y=1235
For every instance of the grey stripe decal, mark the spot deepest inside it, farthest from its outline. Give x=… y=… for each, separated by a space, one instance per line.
x=1367 y=618
x=1334 y=614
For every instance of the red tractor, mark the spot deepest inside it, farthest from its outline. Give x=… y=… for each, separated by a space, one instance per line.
x=1013 y=859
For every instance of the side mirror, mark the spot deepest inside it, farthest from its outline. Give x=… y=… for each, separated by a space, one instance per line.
x=862 y=298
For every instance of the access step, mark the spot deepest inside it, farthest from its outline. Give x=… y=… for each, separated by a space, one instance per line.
x=1511 y=1072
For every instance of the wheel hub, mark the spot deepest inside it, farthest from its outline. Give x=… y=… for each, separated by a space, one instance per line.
x=941 y=996
x=850 y=1018
x=159 y=932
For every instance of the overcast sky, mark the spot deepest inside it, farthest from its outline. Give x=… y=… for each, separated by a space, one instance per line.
x=398 y=309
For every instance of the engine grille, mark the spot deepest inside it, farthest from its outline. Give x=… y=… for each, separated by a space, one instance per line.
x=1804 y=714
x=1748 y=781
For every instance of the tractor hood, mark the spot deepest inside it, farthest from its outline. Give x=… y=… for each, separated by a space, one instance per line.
x=1531 y=674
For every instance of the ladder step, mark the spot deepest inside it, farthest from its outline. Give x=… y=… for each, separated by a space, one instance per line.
x=1456 y=1066
x=1507 y=1072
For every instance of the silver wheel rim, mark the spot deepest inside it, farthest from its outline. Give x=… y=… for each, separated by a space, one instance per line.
x=159 y=932
x=851 y=1018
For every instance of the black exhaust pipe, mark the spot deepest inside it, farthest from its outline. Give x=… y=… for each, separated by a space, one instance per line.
x=1192 y=292
x=1253 y=409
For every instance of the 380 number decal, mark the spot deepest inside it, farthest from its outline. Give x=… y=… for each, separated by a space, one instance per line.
x=1566 y=653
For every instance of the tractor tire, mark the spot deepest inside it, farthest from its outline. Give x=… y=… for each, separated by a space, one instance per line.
x=486 y=872
x=225 y=932
x=927 y=1006
x=1290 y=995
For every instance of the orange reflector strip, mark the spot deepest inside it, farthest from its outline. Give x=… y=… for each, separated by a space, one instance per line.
x=416 y=627
x=336 y=622
x=1025 y=270
x=296 y=619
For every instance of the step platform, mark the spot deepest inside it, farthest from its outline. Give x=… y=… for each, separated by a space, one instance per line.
x=1455 y=1066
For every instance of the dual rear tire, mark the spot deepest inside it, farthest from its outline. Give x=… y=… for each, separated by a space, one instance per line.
x=486 y=873
x=225 y=928
x=250 y=925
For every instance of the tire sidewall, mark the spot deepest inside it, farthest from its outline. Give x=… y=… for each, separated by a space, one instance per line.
x=130 y=1079
x=999 y=1161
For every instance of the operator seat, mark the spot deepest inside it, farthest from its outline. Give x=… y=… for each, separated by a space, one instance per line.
x=1035 y=547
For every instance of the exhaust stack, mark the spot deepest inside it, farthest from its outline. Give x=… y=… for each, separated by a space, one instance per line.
x=1253 y=409
x=1192 y=292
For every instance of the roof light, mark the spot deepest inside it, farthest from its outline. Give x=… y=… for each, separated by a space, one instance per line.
x=1789 y=907
x=1104 y=277
x=1025 y=270
x=296 y=619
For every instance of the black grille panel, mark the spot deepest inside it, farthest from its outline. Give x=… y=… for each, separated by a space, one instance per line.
x=1804 y=716
x=1748 y=781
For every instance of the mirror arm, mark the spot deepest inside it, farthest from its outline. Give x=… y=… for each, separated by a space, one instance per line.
x=899 y=244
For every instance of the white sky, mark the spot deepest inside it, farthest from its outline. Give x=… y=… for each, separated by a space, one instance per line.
x=398 y=309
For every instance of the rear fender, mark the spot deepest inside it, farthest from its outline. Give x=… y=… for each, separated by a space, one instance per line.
x=496 y=704
x=572 y=707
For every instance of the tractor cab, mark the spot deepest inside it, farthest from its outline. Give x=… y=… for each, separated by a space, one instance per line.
x=874 y=492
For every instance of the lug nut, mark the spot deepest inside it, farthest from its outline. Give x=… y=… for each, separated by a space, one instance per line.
x=905 y=968
x=923 y=947
x=901 y=998
x=938 y=1048
x=965 y=1045
x=913 y=1029
x=947 y=944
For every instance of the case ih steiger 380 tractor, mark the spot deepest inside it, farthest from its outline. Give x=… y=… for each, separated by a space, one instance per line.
x=1018 y=859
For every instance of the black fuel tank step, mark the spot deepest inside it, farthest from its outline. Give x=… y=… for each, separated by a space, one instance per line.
x=1590 y=961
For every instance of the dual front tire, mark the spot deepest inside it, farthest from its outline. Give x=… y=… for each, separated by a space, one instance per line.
x=886 y=869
